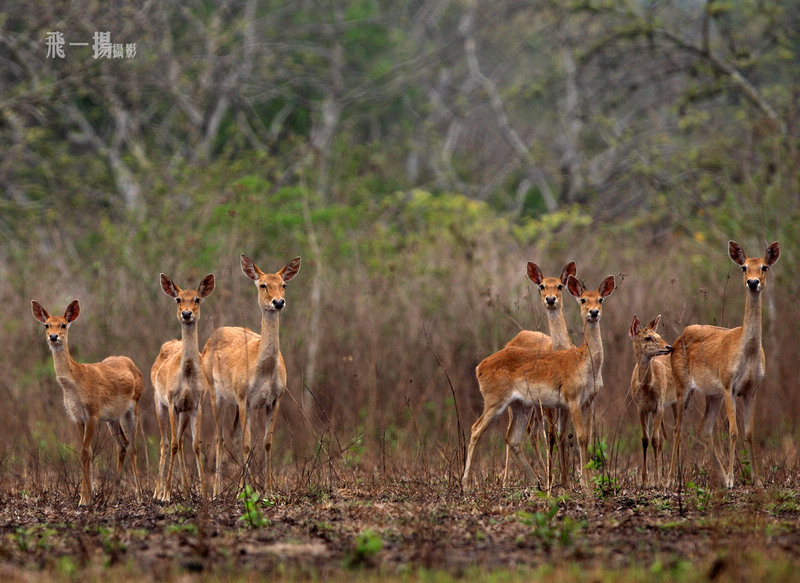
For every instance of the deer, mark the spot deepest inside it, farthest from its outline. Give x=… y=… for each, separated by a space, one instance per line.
x=652 y=388
x=550 y=292
x=180 y=385
x=247 y=369
x=518 y=378
x=106 y=391
x=723 y=364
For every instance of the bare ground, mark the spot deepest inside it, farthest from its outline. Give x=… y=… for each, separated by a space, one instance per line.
x=395 y=527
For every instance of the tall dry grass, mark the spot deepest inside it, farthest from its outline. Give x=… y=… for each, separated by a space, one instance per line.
x=401 y=331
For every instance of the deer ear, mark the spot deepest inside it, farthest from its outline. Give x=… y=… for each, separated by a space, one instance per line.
x=569 y=269
x=206 y=286
x=772 y=254
x=736 y=253
x=168 y=286
x=72 y=312
x=534 y=273
x=290 y=269
x=574 y=286
x=607 y=287
x=39 y=312
x=634 y=327
x=249 y=268
x=654 y=324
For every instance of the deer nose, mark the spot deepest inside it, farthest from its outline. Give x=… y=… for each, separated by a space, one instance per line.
x=594 y=312
x=53 y=337
x=753 y=284
x=186 y=314
x=279 y=303
x=668 y=348
x=551 y=300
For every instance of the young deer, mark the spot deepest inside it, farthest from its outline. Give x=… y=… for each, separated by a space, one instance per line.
x=652 y=387
x=725 y=363
x=180 y=387
x=550 y=292
x=105 y=391
x=519 y=379
x=247 y=369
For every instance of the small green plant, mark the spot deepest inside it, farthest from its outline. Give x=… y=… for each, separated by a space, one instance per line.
x=605 y=486
x=367 y=545
x=253 y=504
x=546 y=529
x=702 y=495
x=181 y=527
x=744 y=460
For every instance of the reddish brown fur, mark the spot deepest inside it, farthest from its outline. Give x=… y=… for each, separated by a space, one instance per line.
x=550 y=292
x=724 y=364
x=652 y=388
x=247 y=369
x=519 y=378
x=105 y=391
x=180 y=386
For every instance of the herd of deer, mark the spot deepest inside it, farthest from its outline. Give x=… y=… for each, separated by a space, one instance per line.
x=538 y=378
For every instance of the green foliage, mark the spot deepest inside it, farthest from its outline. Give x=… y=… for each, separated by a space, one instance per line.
x=546 y=529
x=702 y=496
x=368 y=543
x=253 y=505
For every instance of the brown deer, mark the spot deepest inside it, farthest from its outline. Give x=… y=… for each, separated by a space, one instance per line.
x=519 y=378
x=550 y=292
x=652 y=388
x=722 y=364
x=104 y=391
x=247 y=369
x=180 y=386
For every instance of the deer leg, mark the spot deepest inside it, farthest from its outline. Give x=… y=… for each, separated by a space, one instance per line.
x=643 y=420
x=682 y=404
x=162 y=416
x=733 y=435
x=507 y=469
x=478 y=428
x=173 y=451
x=183 y=423
x=195 y=420
x=563 y=421
x=269 y=427
x=657 y=438
x=516 y=431
x=749 y=406
x=713 y=404
x=219 y=410
x=575 y=411
x=244 y=421
x=130 y=419
x=122 y=447
x=87 y=488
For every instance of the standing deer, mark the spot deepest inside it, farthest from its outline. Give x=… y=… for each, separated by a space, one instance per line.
x=180 y=387
x=550 y=291
x=519 y=379
x=725 y=363
x=104 y=391
x=247 y=369
x=652 y=387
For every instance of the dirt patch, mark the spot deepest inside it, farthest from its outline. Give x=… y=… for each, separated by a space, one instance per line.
x=398 y=525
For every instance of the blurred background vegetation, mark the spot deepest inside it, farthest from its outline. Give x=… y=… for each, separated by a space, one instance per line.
x=415 y=154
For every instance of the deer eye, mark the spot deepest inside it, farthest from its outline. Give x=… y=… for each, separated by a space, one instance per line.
x=744 y=268
x=63 y=326
x=283 y=285
x=649 y=339
x=541 y=286
x=560 y=287
x=263 y=286
x=47 y=326
x=764 y=267
x=600 y=300
x=583 y=300
x=197 y=300
x=177 y=300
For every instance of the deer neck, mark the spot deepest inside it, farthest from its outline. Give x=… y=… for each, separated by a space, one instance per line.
x=558 y=330
x=751 y=326
x=62 y=361
x=643 y=371
x=191 y=348
x=594 y=345
x=270 y=346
